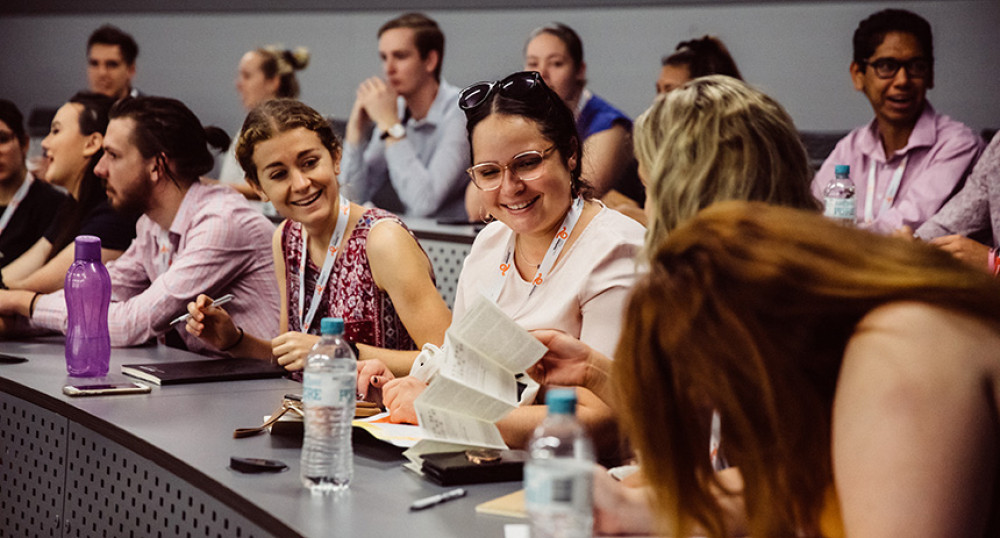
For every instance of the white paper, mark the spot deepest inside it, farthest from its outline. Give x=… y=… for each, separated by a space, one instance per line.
x=475 y=386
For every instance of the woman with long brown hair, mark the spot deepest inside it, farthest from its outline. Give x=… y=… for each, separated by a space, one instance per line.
x=854 y=373
x=73 y=148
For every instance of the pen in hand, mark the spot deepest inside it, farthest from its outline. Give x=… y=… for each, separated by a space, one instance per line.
x=428 y=502
x=218 y=302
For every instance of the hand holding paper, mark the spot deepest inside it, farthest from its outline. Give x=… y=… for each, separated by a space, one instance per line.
x=475 y=386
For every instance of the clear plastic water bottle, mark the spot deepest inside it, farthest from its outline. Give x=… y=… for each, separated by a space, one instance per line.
x=88 y=295
x=329 y=389
x=558 y=477
x=838 y=196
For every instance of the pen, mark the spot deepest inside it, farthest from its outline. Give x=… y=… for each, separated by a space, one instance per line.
x=428 y=502
x=218 y=302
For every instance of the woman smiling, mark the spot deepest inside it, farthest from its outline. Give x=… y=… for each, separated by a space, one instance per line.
x=554 y=259
x=332 y=257
x=72 y=149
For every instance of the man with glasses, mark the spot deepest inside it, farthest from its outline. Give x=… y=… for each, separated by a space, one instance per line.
x=414 y=162
x=909 y=160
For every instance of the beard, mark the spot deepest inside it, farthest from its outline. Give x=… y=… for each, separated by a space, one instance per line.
x=133 y=200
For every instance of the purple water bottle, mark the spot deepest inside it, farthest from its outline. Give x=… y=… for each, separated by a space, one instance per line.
x=88 y=294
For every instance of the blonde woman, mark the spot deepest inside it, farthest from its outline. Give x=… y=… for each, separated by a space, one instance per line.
x=264 y=73
x=714 y=139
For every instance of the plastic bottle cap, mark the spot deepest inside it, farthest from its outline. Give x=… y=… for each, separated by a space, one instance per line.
x=331 y=326
x=842 y=169
x=561 y=401
x=88 y=248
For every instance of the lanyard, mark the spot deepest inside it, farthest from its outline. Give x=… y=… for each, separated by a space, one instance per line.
x=22 y=191
x=558 y=242
x=324 y=274
x=890 y=192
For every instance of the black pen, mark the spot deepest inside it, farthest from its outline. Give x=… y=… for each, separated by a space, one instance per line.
x=428 y=502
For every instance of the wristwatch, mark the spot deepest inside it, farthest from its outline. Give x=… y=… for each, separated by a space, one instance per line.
x=396 y=131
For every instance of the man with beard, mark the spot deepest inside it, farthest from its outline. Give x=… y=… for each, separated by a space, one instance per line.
x=414 y=163
x=191 y=237
x=909 y=160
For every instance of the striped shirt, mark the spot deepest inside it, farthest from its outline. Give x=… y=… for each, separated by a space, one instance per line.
x=217 y=244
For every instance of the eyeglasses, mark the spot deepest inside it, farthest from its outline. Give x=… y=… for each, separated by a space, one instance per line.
x=525 y=166
x=517 y=86
x=888 y=67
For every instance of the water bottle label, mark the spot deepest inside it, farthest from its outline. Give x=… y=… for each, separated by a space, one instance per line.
x=328 y=389
x=549 y=488
x=840 y=208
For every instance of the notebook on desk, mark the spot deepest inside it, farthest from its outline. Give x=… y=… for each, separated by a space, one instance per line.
x=201 y=371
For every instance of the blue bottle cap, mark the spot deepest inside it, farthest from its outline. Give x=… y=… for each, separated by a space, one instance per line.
x=842 y=169
x=88 y=248
x=331 y=326
x=561 y=401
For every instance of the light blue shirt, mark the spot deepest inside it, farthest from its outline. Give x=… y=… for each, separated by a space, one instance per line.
x=421 y=175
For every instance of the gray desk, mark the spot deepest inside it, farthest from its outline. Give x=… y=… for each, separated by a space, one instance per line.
x=157 y=464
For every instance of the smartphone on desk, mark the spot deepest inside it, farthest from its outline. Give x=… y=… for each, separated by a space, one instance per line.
x=101 y=389
x=11 y=359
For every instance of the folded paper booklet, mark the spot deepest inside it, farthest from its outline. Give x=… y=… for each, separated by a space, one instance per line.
x=200 y=371
x=475 y=386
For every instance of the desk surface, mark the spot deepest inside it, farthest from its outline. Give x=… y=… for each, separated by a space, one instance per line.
x=187 y=429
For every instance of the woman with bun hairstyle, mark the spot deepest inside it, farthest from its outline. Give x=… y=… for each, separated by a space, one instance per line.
x=706 y=55
x=264 y=73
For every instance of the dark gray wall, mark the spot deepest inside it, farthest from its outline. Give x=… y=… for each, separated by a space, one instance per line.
x=796 y=51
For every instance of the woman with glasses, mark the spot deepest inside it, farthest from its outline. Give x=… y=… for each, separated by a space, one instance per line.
x=331 y=257
x=72 y=148
x=553 y=259
x=555 y=51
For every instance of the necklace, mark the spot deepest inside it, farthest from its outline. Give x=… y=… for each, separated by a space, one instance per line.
x=524 y=257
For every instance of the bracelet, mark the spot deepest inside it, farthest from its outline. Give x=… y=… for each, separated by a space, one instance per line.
x=31 y=305
x=354 y=348
x=236 y=343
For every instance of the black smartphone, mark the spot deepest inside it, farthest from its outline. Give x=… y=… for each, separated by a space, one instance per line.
x=11 y=359
x=101 y=389
x=256 y=465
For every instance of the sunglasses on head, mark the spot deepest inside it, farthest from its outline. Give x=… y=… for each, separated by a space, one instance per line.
x=516 y=86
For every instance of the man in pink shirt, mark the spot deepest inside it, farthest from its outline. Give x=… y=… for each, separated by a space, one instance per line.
x=909 y=160
x=191 y=238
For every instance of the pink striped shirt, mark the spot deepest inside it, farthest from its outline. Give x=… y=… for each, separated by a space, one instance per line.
x=220 y=245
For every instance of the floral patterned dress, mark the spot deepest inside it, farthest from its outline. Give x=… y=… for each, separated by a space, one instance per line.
x=368 y=313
